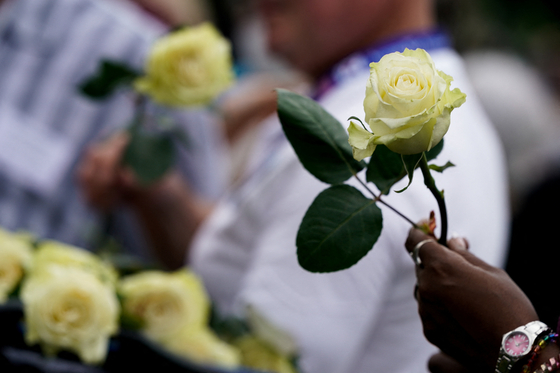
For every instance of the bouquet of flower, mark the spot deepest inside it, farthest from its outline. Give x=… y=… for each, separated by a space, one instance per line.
x=188 y=67
x=75 y=301
x=407 y=105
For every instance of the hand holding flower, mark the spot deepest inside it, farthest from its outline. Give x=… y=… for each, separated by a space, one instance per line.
x=185 y=68
x=465 y=304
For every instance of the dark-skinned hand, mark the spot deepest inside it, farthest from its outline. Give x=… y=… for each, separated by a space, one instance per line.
x=465 y=304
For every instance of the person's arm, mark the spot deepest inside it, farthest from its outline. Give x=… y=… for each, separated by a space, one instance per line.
x=169 y=211
x=465 y=304
x=170 y=214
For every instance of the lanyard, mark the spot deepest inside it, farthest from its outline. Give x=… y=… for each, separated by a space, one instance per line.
x=360 y=60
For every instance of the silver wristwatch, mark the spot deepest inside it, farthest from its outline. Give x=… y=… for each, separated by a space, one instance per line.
x=518 y=343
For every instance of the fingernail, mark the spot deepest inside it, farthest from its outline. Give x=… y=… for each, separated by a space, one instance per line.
x=460 y=242
x=463 y=243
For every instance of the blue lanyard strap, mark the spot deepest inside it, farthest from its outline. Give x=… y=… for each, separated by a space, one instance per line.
x=358 y=61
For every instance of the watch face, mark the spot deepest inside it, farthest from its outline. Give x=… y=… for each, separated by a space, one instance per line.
x=517 y=344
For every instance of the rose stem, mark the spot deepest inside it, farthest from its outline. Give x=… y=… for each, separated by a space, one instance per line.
x=140 y=111
x=378 y=199
x=431 y=184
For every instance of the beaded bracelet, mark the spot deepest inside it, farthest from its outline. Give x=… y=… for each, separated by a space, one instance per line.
x=552 y=365
x=537 y=349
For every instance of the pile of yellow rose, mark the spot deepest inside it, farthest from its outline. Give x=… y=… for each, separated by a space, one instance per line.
x=74 y=301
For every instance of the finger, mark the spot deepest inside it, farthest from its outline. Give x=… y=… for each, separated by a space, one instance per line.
x=429 y=251
x=441 y=329
x=98 y=173
x=458 y=243
x=460 y=246
x=415 y=236
x=86 y=175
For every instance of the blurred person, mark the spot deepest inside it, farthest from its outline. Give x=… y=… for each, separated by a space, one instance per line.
x=362 y=319
x=467 y=306
x=47 y=48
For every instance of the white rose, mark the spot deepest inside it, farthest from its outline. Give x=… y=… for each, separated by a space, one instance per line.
x=67 y=308
x=15 y=257
x=258 y=354
x=54 y=252
x=188 y=67
x=165 y=303
x=407 y=105
x=201 y=345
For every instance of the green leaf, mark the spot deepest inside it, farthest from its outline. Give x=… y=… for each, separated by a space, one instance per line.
x=109 y=76
x=385 y=169
x=228 y=328
x=410 y=162
x=319 y=140
x=441 y=168
x=339 y=228
x=150 y=155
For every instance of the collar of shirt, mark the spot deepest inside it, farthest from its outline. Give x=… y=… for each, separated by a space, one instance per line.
x=360 y=60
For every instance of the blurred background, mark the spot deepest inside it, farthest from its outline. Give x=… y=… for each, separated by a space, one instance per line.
x=511 y=48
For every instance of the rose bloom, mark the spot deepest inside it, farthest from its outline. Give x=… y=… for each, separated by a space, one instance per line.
x=407 y=105
x=259 y=355
x=188 y=67
x=164 y=303
x=67 y=308
x=202 y=346
x=54 y=252
x=15 y=257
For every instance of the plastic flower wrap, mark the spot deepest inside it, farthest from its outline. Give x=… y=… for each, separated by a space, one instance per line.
x=69 y=308
x=407 y=106
x=15 y=257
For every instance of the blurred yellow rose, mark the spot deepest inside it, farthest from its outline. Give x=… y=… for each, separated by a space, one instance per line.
x=202 y=346
x=15 y=257
x=67 y=308
x=259 y=355
x=407 y=105
x=165 y=303
x=54 y=252
x=188 y=67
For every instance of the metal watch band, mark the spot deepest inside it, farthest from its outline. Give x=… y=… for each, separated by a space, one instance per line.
x=533 y=329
